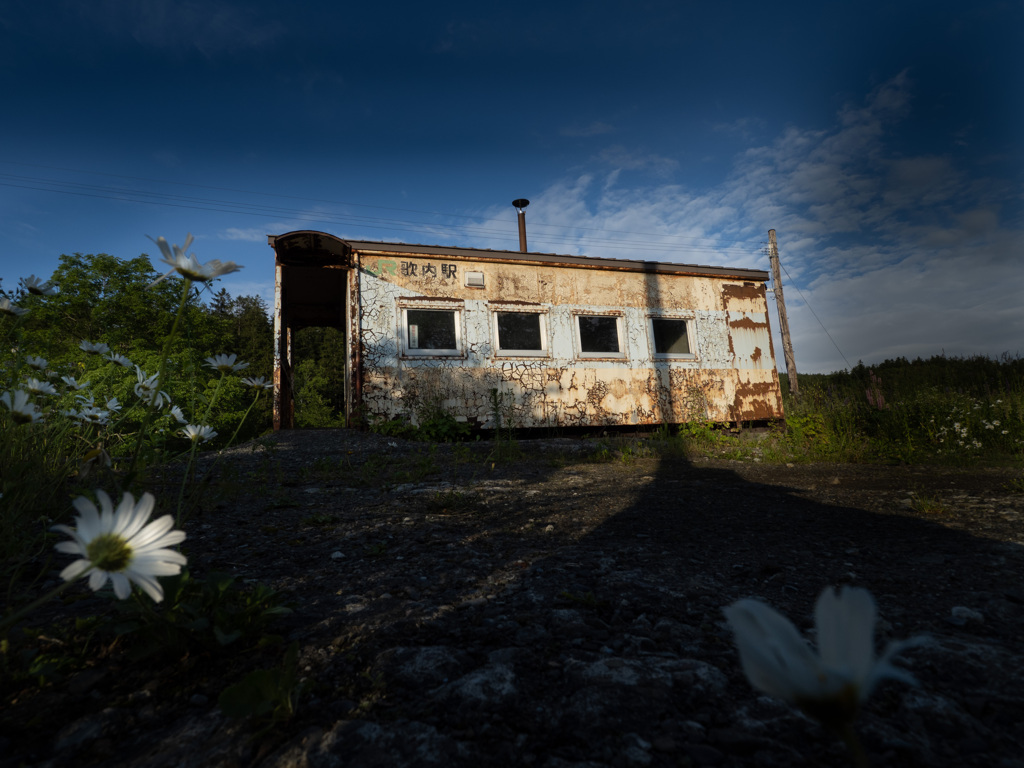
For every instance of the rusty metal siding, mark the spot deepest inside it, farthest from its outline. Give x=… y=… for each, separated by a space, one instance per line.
x=730 y=377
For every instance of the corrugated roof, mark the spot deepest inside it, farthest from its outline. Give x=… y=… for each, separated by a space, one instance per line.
x=630 y=265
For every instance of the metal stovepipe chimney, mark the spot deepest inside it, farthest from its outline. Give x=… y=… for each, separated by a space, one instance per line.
x=520 y=206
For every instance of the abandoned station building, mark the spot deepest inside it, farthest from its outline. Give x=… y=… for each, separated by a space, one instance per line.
x=551 y=341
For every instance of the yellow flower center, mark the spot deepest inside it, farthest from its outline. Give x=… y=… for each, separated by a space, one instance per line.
x=109 y=552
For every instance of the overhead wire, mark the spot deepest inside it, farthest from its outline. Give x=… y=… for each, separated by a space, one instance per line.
x=666 y=243
x=815 y=314
x=601 y=236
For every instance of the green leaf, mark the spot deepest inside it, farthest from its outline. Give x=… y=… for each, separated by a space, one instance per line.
x=226 y=638
x=254 y=696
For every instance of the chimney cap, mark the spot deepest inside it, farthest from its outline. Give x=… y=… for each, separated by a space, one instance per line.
x=521 y=203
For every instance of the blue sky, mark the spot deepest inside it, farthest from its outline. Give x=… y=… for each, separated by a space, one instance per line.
x=882 y=141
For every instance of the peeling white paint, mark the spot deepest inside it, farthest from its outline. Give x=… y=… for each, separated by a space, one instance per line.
x=730 y=377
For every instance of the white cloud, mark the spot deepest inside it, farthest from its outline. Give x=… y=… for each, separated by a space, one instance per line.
x=250 y=234
x=620 y=158
x=897 y=254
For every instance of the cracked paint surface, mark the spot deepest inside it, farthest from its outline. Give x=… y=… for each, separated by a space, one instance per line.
x=730 y=376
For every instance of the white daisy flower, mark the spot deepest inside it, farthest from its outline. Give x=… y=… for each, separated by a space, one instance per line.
x=113 y=405
x=225 y=363
x=189 y=266
x=118 y=545
x=73 y=383
x=194 y=433
x=258 y=382
x=178 y=415
x=36 y=363
x=93 y=415
x=832 y=683
x=121 y=360
x=37 y=387
x=148 y=389
x=22 y=410
x=35 y=285
x=97 y=456
x=94 y=349
x=7 y=307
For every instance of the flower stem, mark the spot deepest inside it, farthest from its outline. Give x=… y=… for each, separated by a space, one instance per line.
x=151 y=405
x=213 y=400
x=244 y=417
x=15 y=617
x=857 y=753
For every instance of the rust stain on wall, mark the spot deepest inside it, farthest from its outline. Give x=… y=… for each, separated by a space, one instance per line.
x=748 y=323
x=757 y=400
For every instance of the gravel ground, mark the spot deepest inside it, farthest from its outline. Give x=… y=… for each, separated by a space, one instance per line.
x=454 y=608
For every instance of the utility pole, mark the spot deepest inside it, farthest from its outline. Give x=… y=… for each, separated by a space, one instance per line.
x=787 y=344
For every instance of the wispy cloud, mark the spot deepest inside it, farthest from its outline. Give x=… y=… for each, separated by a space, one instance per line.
x=743 y=128
x=896 y=253
x=249 y=234
x=622 y=159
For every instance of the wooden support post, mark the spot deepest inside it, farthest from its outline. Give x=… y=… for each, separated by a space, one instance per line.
x=787 y=344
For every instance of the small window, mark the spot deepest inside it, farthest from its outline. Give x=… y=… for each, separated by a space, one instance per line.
x=431 y=332
x=671 y=337
x=520 y=333
x=599 y=335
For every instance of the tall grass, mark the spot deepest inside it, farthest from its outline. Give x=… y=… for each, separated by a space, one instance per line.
x=941 y=410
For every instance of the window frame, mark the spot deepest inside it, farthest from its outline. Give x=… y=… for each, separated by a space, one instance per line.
x=691 y=335
x=542 y=319
x=408 y=352
x=619 y=330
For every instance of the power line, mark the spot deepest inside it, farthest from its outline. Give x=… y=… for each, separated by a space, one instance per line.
x=668 y=243
x=244 y=209
x=811 y=309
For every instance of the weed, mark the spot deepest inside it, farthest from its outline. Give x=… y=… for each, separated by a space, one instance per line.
x=442 y=427
x=434 y=424
x=929 y=505
x=50 y=654
x=451 y=500
x=377 y=549
x=266 y=692
x=424 y=466
x=461 y=454
x=266 y=444
x=207 y=613
x=321 y=467
x=630 y=452
x=505 y=452
x=374 y=470
x=1015 y=486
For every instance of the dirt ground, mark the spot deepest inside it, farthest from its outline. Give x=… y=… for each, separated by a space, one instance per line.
x=456 y=608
